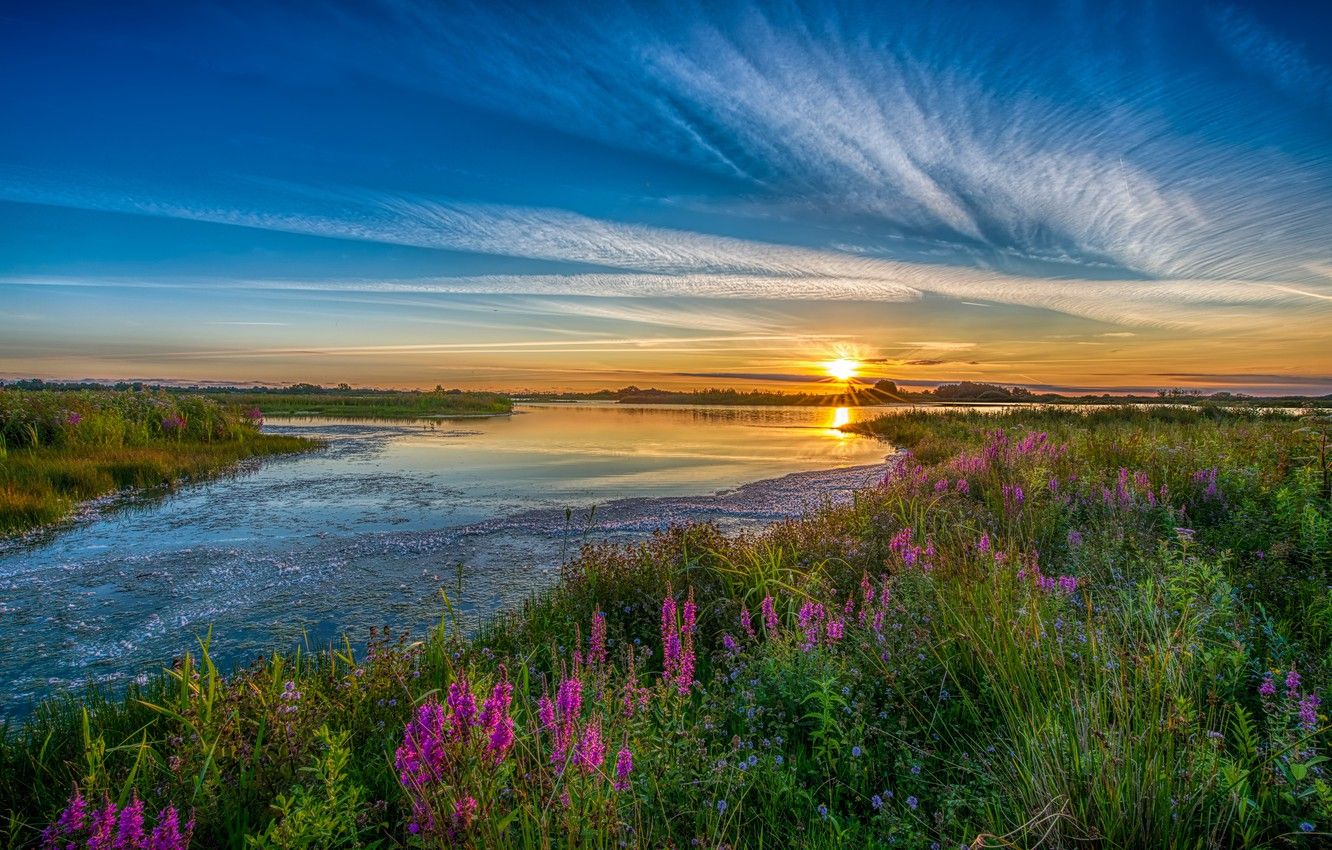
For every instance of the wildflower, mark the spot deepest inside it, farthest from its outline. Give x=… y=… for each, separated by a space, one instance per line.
x=835 y=630
x=129 y=831
x=421 y=756
x=685 y=678
x=721 y=806
x=1305 y=826
x=590 y=752
x=1068 y=584
x=856 y=751
x=72 y=818
x=811 y=615
x=823 y=811
x=495 y=719
x=877 y=802
x=912 y=802
x=1309 y=712
x=1292 y=682
x=962 y=486
x=546 y=712
x=462 y=704
x=1268 y=687
x=1074 y=538
x=569 y=698
x=746 y=622
x=983 y=545
x=174 y=424
x=769 y=612
x=168 y=835
x=596 y=642
x=464 y=811
x=624 y=765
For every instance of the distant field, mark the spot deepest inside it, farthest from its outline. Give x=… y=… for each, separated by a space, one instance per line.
x=369 y=405
x=60 y=448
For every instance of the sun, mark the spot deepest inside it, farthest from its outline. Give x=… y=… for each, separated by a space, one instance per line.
x=841 y=368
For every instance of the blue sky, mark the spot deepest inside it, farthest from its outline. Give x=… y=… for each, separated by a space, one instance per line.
x=546 y=194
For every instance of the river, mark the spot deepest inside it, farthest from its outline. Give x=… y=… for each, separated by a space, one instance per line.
x=367 y=532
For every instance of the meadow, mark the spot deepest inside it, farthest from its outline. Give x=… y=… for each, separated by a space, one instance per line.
x=60 y=448
x=1056 y=628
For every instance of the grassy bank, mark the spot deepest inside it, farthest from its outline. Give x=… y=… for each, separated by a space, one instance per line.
x=1044 y=628
x=58 y=449
x=369 y=404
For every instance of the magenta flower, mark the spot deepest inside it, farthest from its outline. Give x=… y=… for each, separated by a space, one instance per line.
x=729 y=644
x=463 y=705
x=1292 y=682
x=495 y=719
x=114 y=828
x=421 y=757
x=835 y=630
x=746 y=622
x=130 y=834
x=596 y=649
x=983 y=545
x=168 y=835
x=769 y=612
x=1309 y=712
x=624 y=765
x=569 y=698
x=810 y=620
x=685 y=678
x=464 y=811
x=590 y=752
x=546 y=712
x=1268 y=687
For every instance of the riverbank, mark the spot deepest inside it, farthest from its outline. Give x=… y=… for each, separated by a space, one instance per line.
x=1107 y=627
x=62 y=449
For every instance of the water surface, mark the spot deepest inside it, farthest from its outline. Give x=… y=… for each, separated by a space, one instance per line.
x=367 y=531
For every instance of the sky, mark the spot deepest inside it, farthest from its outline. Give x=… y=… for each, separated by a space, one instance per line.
x=1074 y=196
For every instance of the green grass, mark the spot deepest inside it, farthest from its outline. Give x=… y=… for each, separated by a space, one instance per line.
x=58 y=449
x=352 y=404
x=972 y=699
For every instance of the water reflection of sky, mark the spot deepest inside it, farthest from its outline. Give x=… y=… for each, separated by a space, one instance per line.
x=358 y=534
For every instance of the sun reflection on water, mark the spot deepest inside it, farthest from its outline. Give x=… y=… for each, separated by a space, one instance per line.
x=840 y=416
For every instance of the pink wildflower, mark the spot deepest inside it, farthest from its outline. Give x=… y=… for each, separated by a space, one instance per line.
x=596 y=649
x=464 y=811
x=463 y=705
x=769 y=615
x=495 y=719
x=624 y=765
x=1268 y=687
x=590 y=752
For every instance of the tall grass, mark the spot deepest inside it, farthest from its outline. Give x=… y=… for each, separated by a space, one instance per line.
x=59 y=448
x=1127 y=651
x=353 y=404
